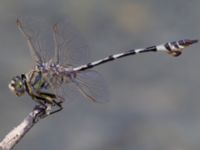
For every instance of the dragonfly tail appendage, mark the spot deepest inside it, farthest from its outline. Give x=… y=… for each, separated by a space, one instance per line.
x=175 y=48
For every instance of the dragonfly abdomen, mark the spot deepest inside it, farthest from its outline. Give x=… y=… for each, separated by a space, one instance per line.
x=172 y=48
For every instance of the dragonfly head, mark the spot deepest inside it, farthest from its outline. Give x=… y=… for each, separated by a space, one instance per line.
x=17 y=85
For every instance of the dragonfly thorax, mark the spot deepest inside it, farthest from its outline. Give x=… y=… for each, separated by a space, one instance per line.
x=51 y=72
x=59 y=74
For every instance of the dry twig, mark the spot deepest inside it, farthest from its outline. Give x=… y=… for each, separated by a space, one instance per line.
x=15 y=135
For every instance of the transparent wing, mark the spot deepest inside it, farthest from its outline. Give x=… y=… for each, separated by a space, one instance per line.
x=70 y=48
x=54 y=37
x=88 y=85
x=40 y=33
x=60 y=41
x=93 y=86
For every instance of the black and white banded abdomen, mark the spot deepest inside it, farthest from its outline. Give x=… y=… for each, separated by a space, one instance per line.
x=172 y=48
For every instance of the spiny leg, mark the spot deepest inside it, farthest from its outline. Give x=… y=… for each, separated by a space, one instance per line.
x=29 y=41
x=59 y=108
x=49 y=98
x=45 y=99
x=43 y=102
x=44 y=109
x=41 y=114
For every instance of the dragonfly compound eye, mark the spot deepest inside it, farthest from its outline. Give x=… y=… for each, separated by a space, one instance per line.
x=16 y=85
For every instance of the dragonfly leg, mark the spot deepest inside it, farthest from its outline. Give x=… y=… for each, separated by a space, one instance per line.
x=41 y=114
x=58 y=109
x=44 y=98
x=49 y=98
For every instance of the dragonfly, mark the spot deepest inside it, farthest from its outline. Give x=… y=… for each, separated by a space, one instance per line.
x=62 y=70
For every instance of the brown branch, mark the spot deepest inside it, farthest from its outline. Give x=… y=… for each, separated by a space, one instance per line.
x=15 y=135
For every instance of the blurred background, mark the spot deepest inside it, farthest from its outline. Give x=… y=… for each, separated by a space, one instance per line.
x=154 y=98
